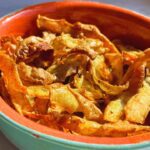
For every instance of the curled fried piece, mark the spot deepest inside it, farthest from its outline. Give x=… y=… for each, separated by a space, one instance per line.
x=87 y=87
x=67 y=44
x=77 y=29
x=114 y=60
x=67 y=66
x=112 y=89
x=32 y=75
x=93 y=32
x=99 y=69
x=14 y=85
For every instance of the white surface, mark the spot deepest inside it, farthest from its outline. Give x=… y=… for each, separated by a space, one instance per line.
x=6 y=6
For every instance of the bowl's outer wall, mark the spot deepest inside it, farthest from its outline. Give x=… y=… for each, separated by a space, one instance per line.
x=113 y=22
x=26 y=139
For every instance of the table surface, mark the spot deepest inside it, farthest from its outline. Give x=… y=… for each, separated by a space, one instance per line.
x=7 y=6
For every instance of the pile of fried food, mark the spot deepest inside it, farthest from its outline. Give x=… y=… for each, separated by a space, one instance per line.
x=74 y=79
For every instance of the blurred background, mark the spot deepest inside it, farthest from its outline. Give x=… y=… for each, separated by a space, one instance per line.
x=7 y=6
x=141 y=6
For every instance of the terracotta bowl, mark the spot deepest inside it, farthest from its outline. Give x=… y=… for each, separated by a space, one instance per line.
x=114 y=22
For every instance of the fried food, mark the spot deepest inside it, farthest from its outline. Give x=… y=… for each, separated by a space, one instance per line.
x=74 y=79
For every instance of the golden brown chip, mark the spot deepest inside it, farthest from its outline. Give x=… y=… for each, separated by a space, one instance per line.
x=114 y=110
x=62 y=99
x=81 y=126
x=53 y=25
x=99 y=69
x=68 y=66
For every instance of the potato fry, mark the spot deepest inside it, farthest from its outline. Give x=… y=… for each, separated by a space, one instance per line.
x=138 y=107
x=114 y=110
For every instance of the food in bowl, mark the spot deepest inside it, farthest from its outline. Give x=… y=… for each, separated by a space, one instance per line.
x=72 y=78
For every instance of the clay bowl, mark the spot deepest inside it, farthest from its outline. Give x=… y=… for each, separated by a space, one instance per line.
x=114 y=22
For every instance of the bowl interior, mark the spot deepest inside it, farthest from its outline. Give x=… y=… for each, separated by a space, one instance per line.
x=112 y=21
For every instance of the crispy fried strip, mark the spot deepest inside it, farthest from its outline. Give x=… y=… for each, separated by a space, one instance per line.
x=13 y=84
x=96 y=70
x=116 y=62
x=41 y=105
x=81 y=126
x=112 y=89
x=138 y=107
x=93 y=32
x=99 y=69
x=121 y=128
x=59 y=26
x=68 y=66
x=51 y=120
x=53 y=25
x=91 y=128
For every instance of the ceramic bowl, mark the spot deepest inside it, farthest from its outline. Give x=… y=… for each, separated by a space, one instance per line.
x=114 y=22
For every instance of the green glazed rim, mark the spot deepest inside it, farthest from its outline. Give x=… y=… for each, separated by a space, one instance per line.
x=69 y=143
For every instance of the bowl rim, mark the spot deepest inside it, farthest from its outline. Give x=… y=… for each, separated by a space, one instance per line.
x=12 y=116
